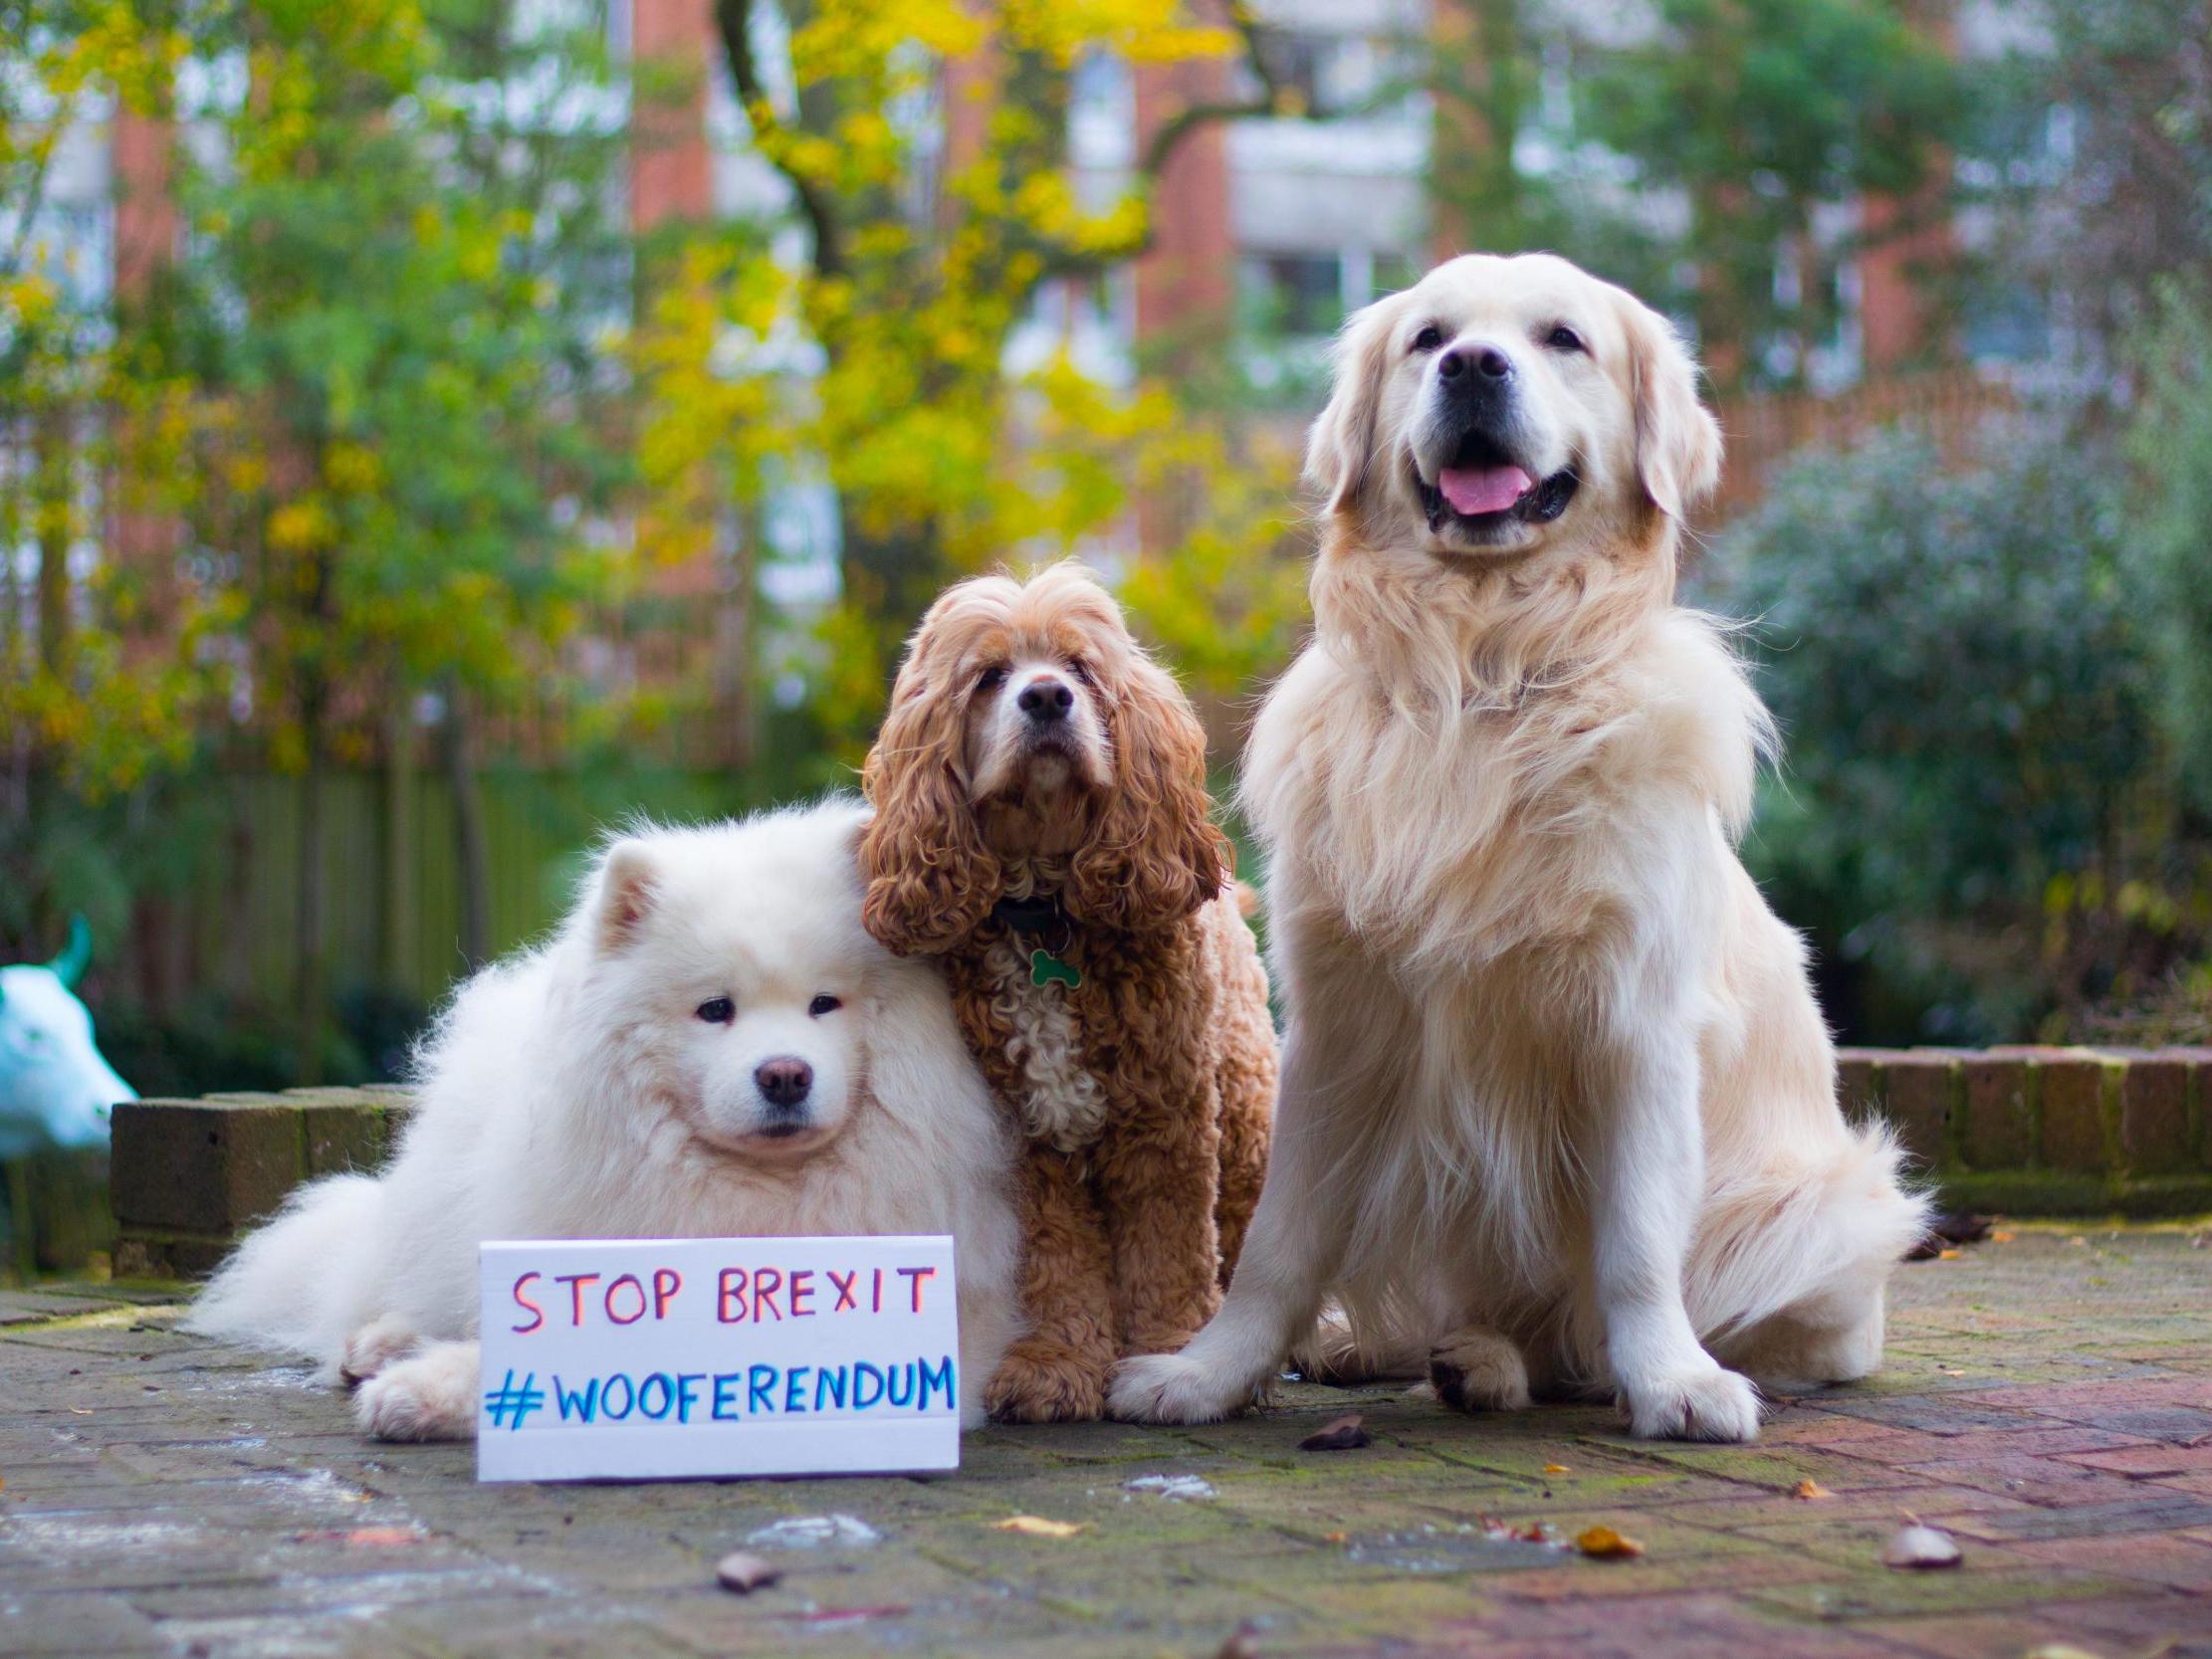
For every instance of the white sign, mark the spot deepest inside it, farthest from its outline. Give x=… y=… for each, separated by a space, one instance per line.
x=652 y=1358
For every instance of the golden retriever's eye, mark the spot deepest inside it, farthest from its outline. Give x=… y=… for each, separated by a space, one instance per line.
x=824 y=1005
x=992 y=678
x=718 y=1010
x=1428 y=339
x=1564 y=338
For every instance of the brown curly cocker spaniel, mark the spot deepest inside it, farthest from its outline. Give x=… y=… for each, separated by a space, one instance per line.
x=1042 y=826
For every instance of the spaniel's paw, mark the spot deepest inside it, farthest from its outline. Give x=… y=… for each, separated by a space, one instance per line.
x=1046 y=1383
x=1174 y=1388
x=375 y=1345
x=431 y=1396
x=1476 y=1370
x=1702 y=1405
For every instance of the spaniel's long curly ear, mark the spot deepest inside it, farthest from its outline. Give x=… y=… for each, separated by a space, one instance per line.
x=1677 y=440
x=1154 y=855
x=929 y=878
x=1340 y=450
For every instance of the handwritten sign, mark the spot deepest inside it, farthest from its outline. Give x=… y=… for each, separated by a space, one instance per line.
x=644 y=1359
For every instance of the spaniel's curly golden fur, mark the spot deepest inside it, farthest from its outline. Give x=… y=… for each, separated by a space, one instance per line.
x=1040 y=787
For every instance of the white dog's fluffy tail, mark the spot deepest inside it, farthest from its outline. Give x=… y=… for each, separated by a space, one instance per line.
x=299 y=1284
x=1787 y=1239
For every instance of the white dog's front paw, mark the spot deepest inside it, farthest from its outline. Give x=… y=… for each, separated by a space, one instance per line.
x=1703 y=1405
x=1171 y=1388
x=374 y=1346
x=431 y=1396
x=1478 y=1369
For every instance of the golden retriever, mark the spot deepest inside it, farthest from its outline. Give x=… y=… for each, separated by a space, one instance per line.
x=1557 y=1102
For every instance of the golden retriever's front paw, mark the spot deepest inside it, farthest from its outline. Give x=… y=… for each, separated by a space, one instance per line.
x=1046 y=1383
x=1171 y=1388
x=431 y=1396
x=1476 y=1370
x=1705 y=1404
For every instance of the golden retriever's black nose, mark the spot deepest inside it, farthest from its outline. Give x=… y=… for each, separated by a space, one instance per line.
x=1485 y=360
x=1046 y=699
x=785 y=1080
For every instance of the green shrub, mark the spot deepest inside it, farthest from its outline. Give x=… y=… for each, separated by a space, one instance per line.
x=1971 y=818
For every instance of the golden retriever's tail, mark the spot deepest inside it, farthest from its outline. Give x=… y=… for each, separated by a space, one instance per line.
x=1794 y=1239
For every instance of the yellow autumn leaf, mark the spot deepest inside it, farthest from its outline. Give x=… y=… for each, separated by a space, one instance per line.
x=1605 y=1543
x=1036 y=1526
x=1555 y=1469
x=1810 y=1488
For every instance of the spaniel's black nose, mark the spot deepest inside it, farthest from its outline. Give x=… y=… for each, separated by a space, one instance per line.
x=1046 y=699
x=784 y=1081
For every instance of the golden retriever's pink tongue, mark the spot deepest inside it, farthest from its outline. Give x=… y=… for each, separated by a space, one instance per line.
x=1479 y=490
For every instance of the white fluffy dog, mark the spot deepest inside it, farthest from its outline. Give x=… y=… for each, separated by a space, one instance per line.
x=711 y=1045
x=1556 y=1096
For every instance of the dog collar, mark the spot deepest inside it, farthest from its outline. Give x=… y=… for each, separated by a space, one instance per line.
x=1033 y=921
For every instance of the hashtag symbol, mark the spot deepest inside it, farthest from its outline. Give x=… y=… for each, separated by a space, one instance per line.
x=507 y=1405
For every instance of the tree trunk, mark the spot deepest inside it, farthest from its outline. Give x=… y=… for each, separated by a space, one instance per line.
x=397 y=898
x=56 y=513
x=471 y=861
x=312 y=893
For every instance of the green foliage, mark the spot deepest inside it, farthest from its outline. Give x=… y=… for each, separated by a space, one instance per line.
x=2170 y=442
x=1974 y=799
x=1753 y=111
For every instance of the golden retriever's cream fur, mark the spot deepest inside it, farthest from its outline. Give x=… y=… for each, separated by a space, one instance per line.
x=1556 y=1100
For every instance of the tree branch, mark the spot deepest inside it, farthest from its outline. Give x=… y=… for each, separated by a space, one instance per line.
x=1187 y=121
x=733 y=22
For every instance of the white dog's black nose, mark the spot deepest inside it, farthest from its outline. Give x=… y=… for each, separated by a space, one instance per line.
x=1046 y=699
x=1485 y=362
x=785 y=1080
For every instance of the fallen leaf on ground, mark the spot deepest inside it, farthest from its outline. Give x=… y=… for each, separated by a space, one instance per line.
x=1919 y=1546
x=1605 y=1541
x=373 y=1536
x=745 y=1572
x=1343 y=1436
x=1241 y=1643
x=1036 y=1526
x=1810 y=1488
x=2000 y=1236
x=1334 y=1537
x=1555 y=1469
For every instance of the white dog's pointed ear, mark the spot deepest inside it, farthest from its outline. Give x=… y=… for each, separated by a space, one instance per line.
x=628 y=887
x=1677 y=440
x=1340 y=450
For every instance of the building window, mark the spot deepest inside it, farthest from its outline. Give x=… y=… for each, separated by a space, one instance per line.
x=1293 y=293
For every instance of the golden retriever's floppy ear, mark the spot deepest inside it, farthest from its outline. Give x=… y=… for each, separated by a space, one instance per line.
x=1154 y=855
x=1678 y=442
x=1341 y=447
x=929 y=878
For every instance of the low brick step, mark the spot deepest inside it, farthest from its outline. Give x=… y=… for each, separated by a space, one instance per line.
x=2027 y=1131
x=190 y=1176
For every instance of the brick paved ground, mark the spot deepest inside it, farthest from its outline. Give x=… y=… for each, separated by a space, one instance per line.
x=2049 y=1402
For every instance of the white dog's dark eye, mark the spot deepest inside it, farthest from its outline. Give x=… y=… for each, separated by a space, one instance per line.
x=1564 y=338
x=718 y=1010
x=991 y=678
x=824 y=1005
x=1080 y=669
x=1428 y=339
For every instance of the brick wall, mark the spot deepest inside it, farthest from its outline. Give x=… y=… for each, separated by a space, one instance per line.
x=2030 y=1131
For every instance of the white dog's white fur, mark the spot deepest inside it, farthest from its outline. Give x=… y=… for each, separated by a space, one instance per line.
x=596 y=1089
x=1556 y=1097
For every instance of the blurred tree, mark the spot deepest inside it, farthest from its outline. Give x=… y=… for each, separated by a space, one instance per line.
x=1565 y=130
x=402 y=410
x=916 y=268
x=2098 y=135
